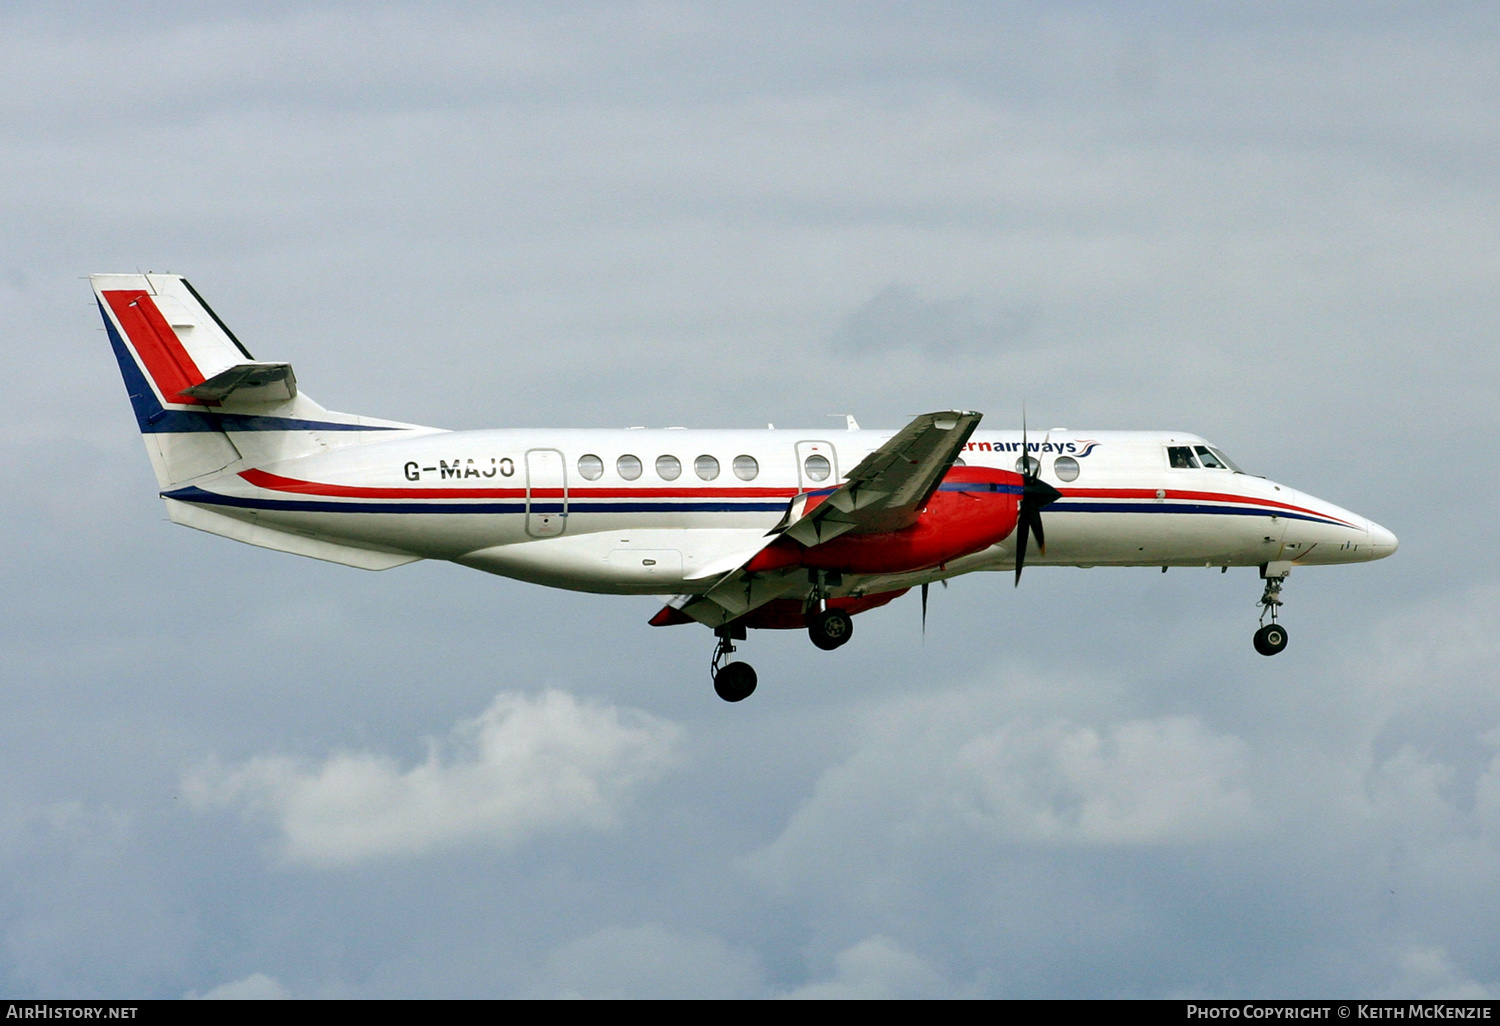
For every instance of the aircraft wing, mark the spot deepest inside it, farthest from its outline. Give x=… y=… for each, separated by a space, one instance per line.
x=886 y=491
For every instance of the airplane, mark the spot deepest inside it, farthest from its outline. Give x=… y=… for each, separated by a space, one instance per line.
x=736 y=529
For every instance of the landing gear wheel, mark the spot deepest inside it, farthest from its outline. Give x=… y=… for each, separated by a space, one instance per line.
x=735 y=682
x=1270 y=639
x=830 y=628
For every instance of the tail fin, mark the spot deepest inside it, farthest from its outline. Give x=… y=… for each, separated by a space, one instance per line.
x=202 y=402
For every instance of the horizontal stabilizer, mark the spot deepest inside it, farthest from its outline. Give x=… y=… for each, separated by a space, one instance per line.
x=257 y=382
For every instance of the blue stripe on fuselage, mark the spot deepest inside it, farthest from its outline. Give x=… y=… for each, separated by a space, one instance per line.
x=980 y=486
x=1195 y=507
x=192 y=493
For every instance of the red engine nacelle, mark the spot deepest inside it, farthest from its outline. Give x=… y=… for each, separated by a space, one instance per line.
x=973 y=508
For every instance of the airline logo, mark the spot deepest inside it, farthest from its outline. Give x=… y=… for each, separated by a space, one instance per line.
x=1080 y=448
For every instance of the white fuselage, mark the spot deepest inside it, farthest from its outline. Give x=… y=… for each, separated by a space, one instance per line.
x=604 y=511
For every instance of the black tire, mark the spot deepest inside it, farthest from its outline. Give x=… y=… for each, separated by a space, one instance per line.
x=735 y=682
x=1270 y=639
x=830 y=628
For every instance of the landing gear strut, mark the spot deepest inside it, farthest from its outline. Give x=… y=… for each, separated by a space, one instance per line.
x=1271 y=638
x=733 y=682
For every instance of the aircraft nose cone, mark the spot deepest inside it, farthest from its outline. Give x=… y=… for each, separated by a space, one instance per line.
x=1383 y=541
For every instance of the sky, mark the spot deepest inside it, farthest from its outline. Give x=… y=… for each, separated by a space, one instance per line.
x=229 y=772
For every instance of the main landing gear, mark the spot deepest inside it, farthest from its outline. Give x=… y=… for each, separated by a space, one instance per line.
x=830 y=628
x=1271 y=638
x=733 y=682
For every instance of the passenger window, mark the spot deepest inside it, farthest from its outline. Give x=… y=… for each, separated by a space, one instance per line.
x=745 y=468
x=668 y=468
x=1028 y=465
x=629 y=467
x=1181 y=457
x=590 y=467
x=1066 y=468
x=706 y=467
x=817 y=467
x=1208 y=459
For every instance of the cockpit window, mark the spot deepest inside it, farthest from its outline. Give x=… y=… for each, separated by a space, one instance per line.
x=1208 y=459
x=1181 y=457
x=1195 y=457
x=1229 y=464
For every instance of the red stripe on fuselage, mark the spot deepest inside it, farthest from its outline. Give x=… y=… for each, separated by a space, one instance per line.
x=1150 y=493
x=274 y=482
x=167 y=362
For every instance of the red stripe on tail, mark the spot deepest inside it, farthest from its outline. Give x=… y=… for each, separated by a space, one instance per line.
x=166 y=361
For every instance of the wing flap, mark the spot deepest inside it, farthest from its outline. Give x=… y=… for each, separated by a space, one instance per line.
x=889 y=487
x=887 y=490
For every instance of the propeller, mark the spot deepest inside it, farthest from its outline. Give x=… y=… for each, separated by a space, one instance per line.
x=925 y=586
x=1036 y=495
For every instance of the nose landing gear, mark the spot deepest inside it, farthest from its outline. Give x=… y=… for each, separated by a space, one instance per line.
x=1271 y=638
x=733 y=682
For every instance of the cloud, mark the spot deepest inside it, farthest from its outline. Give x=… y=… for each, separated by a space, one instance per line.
x=875 y=969
x=1135 y=782
x=963 y=768
x=651 y=961
x=255 y=987
x=1426 y=972
x=524 y=767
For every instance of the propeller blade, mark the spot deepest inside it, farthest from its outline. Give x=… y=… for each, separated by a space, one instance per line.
x=1036 y=495
x=924 y=610
x=1022 y=529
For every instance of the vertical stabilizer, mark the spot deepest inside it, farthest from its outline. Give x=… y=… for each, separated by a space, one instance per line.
x=202 y=402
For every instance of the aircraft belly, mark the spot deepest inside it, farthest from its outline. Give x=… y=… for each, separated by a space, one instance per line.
x=1159 y=539
x=432 y=535
x=621 y=561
